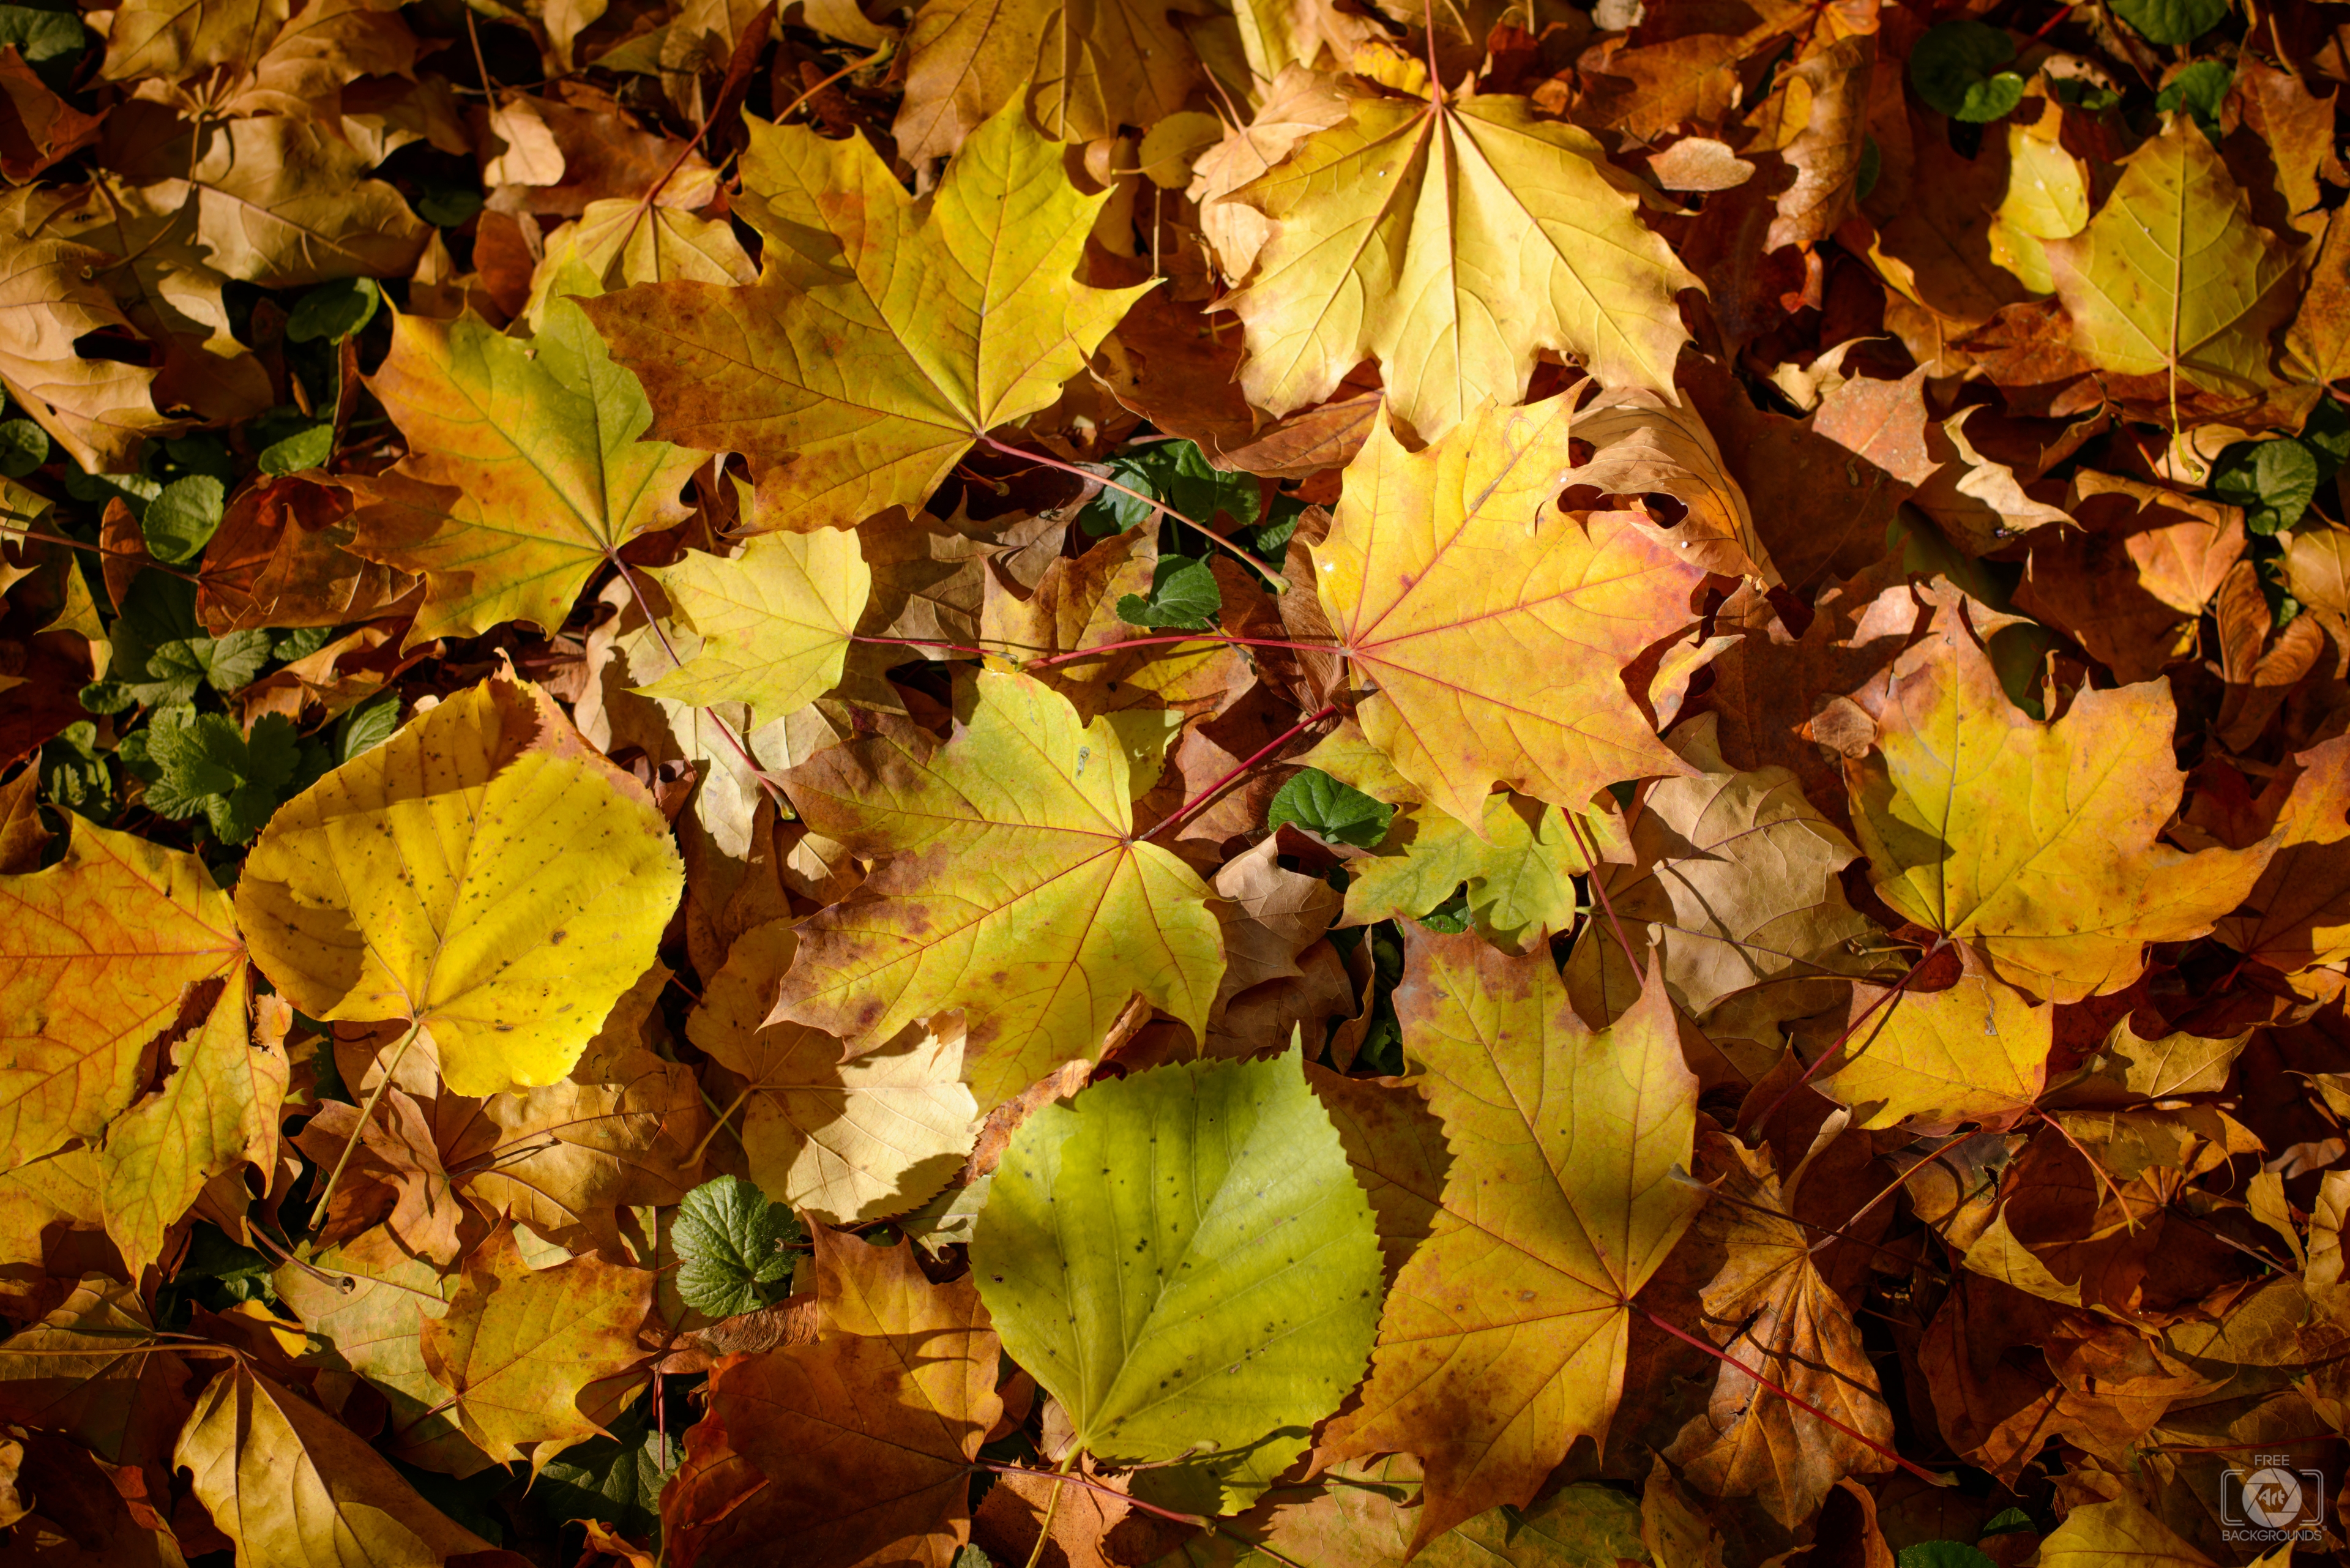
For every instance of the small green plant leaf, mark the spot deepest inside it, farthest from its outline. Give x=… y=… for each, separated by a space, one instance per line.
x=732 y=1242
x=2171 y=21
x=184 y=516
x=24 y=445
x=1183 y=597
x=333 y=311
x=617 y=1479
x=2273 y=480
x=2200 y=88
x=1177 y=474
x=1183 y=1259
x=1336 y=812
x=1957 y=70
x=308 y=447
x=205 y=765
x=1941 y=1554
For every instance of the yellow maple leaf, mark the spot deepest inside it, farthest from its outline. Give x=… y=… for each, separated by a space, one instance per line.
x=2039 y=843
x=524 y=472
x=1493 y=627
x=484 y=876
x=218 y=1109
x=886 y=334
x=774 y=621
x=1009 y=884
x=96 y=953
x=1504 y=1338
x=1083 y=67
x=520 y=1347
x=1449 y=240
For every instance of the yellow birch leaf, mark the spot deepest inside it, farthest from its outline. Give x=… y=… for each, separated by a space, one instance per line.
x=1493 y=627
x=2047 y=199
x=293 y=1486
x=96 y=954
x=482 y=875
x=2107 y=1534
x=2172 y=271
x=1504 y=1338
x=1008 y=883
x=2038 y=843
x=217 y=1110
x=518 y=1345
x=774 y=621
x=1449 y=240
x=524 y=472
x=842 y=1141
x=886 y=333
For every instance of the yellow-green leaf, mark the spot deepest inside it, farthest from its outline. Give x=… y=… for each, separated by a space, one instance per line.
x=1450 y=241
x=1008 y=883
x=218 y=1109
x=886 y=334
x=519 y=1345
x=483 y=874
x=774 y=621
x=525 y=473
x=2172 y=271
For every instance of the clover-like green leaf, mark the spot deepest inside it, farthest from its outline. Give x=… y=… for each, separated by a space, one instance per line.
x=732 y=1242
x=1330 y=810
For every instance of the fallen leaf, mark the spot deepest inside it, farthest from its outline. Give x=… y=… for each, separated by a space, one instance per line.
x=1041 y=951
x=1587 y=1126
x=525 y=472
x=410 y=882
x=774 y=621
x=1494 y=626
x=841 y=400
x=102 y=949
x=1393 y=233
x=519 y=1347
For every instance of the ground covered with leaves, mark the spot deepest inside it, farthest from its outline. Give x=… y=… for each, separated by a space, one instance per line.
x=1092 y=784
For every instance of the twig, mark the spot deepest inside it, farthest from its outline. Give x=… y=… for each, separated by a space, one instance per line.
x=1271 y=580
x=1208 y=794
x=398 y=1053
x=1923 y=1474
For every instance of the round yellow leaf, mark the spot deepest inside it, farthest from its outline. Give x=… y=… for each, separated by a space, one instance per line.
x=484 y=873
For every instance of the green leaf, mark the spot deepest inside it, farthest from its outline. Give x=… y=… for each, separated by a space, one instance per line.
x=1956 y=69
x=333 y=311
x=617 y=1479
x=2171 y=21
x=2273 y=480
x=367 y=726
x=1183 y=597
x=1336 y=813
x=307 y=448
x=2199 y=89
x=2006 y=1521
x=1176 y=475
x=731 y=1243
x=161 y=656
x=1941 y=1554
x=184 y=516
x=24 y=445
x=206 y=765
x=42 y=35
x=444 y=206
x=1183 y=1260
